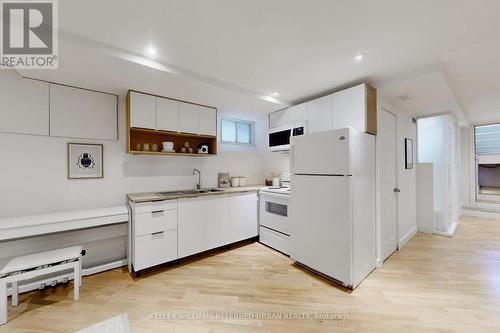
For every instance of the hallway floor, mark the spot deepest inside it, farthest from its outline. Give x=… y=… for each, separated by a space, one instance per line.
x=434 y=284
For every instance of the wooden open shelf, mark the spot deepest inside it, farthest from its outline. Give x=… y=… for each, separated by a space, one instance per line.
x=141 y=136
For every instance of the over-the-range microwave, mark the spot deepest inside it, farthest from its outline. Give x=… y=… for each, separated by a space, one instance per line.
x=279 y=137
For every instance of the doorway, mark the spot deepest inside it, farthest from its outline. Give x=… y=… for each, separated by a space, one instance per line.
x=487 y=150
x=386 y=154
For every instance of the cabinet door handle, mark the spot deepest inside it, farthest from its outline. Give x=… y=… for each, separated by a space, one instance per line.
x=397 y=190
x=157 y=213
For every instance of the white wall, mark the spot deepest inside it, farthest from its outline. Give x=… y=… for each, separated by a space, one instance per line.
x=33 y=180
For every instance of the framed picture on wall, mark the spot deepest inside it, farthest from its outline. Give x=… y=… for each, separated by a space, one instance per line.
x=408 y=153
x=85 y=161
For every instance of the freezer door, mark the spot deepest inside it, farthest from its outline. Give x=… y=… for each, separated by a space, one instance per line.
x=320 y=224
x=323 y=153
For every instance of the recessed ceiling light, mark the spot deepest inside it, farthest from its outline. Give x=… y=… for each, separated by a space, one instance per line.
x=359 y=56
x=276 y=93
x=151 y=51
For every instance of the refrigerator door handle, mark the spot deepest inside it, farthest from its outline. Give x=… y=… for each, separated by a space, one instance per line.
x=292 y=162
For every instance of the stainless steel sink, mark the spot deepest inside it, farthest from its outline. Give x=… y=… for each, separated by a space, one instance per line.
x=188 y=192
x=170 y=193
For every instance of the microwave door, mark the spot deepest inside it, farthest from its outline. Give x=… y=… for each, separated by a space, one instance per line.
x=280 y=139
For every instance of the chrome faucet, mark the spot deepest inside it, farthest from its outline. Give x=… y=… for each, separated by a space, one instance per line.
x=198 y=185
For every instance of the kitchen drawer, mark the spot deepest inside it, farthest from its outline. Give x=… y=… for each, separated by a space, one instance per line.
x=152 y=206
x=275 y=240
x=148 y=223
x=155 y=249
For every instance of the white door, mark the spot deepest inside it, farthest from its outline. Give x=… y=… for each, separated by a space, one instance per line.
x=386 y=150
x=167 y=116
x=142 y=110
x=323 y=153
x=243 y=216
x=191 y=226
x=321 y=224
x=217 y=221
x=207 y=121
x=320 y=114
x=189 y=117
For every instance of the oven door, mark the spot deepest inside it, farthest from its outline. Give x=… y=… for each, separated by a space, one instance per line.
x=279 y=139
x=274 y=212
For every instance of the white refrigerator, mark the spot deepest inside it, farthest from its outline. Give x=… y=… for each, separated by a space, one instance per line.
x=332 y=204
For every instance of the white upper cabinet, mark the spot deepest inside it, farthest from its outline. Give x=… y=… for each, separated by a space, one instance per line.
x=349 y=107
x=320 y=114
x=24 y=104
x=142 y=110
x=189 y=120
x=81 y=113
x=167 y=117
x=243 y=216
x=217 y=221
x=292 y=116
x=208 y=121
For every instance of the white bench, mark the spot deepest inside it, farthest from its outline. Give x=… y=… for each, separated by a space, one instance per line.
x=37 y=264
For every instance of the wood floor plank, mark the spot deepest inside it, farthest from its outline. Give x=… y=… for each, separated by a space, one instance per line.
x=434 y=284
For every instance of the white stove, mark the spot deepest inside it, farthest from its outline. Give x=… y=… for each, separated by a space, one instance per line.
x=278 y=190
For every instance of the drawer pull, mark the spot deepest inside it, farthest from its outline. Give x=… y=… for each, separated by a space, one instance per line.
x=157 y=213
x=157 y=234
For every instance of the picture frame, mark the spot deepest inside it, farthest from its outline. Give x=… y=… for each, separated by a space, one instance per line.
x=408 y=153
x=85 y=161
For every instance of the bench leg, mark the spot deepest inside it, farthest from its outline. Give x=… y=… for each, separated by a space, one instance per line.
x=15 y=294
x=76 y=281
x=3 y=302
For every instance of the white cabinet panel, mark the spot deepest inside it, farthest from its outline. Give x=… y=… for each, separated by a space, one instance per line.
x=217 y=222
x=189 y=118
x=148 y=223
x=80 y=113
x=320 y=114
x=24 y=104
x=349 y=108
x=167 y=118
x=243 y=216
x=295 y=115
x=191 y=226
x=208 y=121
x=142 y=110
x=155 y=249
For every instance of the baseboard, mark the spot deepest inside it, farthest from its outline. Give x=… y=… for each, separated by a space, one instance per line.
x=485 y=214
x=450 y=232
x=62 y=278
x=409 y=235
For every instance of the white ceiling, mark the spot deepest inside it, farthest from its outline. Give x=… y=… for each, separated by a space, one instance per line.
x=239 y=50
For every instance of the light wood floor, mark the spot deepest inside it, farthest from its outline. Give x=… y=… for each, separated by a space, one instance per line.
x=435 y=284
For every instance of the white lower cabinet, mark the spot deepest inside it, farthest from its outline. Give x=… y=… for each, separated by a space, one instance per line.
x=168 y=230
x=153 y=233
x=217 y=221
x=154 y=249
x=191 y=222
x=243 y=216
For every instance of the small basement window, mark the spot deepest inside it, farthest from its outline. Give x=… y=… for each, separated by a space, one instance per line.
x=236 y=131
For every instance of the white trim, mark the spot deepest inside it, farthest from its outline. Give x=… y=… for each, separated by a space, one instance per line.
x=448 y=233
x=379 y=262
x=409 y=235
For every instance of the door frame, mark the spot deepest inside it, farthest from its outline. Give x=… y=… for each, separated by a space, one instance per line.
x=378 y=260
